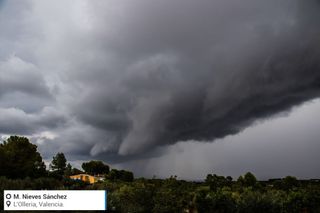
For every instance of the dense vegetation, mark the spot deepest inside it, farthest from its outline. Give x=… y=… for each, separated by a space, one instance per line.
x=126 y=194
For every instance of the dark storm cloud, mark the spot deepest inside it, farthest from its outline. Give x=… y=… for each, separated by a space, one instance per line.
x=22 y=77
x=134 y=76
x=199 y=70
x=15 y=121
x=24 y=99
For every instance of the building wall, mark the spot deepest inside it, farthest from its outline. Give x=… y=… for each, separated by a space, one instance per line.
x=84 y=177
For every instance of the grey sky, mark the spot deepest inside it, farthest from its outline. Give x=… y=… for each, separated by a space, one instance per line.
x=134 y=83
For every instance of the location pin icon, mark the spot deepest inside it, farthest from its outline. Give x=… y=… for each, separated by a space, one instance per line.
x=8 y=203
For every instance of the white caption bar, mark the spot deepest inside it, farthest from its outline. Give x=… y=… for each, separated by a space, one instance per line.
x=55 y=200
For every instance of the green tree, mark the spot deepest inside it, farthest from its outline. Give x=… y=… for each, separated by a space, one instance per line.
x=215 y=181
x=3 y=161
x=122 y=175
x=296 y=202
x=240 y=180
x=289 y=182
x=20 y=159
x=172 y=195
x=229 y=179
x=252 y=201
x=58 y=164
x=95 y=167
x=71 y=171
x=249 y=179
x=136 y=197
x=68 y=170
x=218 y=201
x=76 y=171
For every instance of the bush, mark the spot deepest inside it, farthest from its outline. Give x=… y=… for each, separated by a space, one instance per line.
x=255 y=201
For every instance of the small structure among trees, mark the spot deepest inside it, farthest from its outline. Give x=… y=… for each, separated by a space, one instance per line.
x=85 y=178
